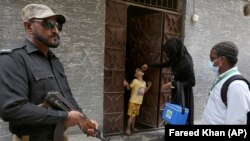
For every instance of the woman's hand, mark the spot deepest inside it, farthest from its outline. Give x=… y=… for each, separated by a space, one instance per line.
x=144 y=67
x=167 y=86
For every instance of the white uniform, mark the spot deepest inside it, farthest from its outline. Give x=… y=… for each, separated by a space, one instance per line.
x=238 y=102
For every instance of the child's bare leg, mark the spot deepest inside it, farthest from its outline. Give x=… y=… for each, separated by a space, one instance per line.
x=133 y=125
x=130 y=121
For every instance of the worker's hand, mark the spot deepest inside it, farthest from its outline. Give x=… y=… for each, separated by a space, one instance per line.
x=167 y=85
x=74 y=118
x=144 y=67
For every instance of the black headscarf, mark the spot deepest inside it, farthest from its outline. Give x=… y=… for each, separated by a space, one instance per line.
x=178 y=55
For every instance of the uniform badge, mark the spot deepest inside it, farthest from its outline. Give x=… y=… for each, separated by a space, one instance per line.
x=4 y=51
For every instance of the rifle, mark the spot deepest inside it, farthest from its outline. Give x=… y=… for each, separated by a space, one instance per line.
x=56 y=100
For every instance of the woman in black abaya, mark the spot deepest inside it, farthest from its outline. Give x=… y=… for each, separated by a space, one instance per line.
x=181 y=64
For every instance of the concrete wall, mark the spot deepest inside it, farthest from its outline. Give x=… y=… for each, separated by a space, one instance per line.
x=81 y=50
x=219 y=20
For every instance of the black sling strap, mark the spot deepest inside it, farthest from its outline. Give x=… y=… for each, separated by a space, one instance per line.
x=227 y=83
x=225 y=88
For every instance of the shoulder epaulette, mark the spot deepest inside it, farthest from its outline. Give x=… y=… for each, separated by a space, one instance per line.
x=5 y=51
x=9 y=50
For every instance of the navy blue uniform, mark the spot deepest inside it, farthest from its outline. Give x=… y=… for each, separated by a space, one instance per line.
x=26 y=75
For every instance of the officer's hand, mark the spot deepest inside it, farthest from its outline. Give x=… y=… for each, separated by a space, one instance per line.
x=74 y=118
x=89 y=126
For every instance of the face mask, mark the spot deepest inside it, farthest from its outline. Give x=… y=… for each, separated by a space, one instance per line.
x=212 y=67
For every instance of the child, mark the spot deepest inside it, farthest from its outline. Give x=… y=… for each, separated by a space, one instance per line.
x=138 y=89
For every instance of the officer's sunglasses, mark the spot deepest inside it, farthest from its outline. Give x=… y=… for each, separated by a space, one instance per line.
x=48 y=24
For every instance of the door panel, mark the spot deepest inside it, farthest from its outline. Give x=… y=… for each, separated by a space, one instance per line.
x=114 y=66
x=172 y=28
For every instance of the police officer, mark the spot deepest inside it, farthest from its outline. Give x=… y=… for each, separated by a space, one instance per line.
x=29 y=72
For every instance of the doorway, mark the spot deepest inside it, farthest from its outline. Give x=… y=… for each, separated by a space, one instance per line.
x=134 y=35
x=143 y=46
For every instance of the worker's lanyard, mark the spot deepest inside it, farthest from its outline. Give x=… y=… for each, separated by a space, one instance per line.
x=217 y=80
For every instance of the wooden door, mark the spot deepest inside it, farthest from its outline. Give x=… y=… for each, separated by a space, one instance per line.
x=114 y=67
x=172 y=28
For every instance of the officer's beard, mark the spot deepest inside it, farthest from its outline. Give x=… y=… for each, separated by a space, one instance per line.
x=46 y=41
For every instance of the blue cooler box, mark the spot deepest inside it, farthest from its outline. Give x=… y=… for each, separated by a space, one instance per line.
x=173 y=114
